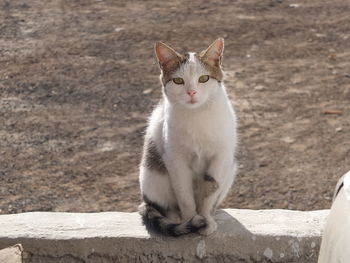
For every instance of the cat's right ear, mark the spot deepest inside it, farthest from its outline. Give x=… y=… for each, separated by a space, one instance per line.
x=167 y=57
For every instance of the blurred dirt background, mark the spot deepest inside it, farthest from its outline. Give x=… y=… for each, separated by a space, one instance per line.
x=78 y=80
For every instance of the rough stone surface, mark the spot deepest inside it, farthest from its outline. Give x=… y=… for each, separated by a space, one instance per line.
x=242 y=236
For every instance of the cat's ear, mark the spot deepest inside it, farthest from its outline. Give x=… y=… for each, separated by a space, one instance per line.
x=213 y=54
x=167 y=57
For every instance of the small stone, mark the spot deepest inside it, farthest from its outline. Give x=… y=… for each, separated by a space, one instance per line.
x=200 y=251
x=288 y=139
x=339 y=129
x=320 y=35
x=263 y=164
x=259 y=88
x=294 y=5
x=268 y=253
x=147 y=91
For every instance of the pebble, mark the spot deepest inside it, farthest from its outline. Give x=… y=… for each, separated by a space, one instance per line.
x=288 y=140
x=259 y=88
x=147 y=91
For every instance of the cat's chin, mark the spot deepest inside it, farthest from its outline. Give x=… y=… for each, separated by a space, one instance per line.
x=192 y=105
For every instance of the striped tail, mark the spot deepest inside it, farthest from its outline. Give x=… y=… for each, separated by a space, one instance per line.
x=155 y=220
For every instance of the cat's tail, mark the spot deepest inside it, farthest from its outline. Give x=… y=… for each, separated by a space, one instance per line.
x=156 y=221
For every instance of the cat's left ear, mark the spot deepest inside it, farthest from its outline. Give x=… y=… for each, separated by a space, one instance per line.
x=213 y=54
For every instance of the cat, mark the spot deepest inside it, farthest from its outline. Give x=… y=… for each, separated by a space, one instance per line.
x=188 y=163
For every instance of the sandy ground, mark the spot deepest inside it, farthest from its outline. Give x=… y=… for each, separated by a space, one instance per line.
x=78 y=80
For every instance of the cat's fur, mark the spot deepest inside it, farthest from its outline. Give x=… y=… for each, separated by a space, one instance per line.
x=188 y=163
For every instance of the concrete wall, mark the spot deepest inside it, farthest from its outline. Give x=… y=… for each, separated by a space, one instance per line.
x=11 y=254
x=243 y=236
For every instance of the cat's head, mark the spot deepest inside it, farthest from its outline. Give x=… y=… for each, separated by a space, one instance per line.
x=190 y=80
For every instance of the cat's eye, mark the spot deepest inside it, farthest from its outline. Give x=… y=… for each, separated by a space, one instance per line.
x=203 y=78
x=179 y=81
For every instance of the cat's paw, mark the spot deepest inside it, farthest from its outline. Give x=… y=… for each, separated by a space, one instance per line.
x=209 y=229
x=198 y=221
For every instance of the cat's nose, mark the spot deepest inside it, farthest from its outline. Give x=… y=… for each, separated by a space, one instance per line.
x=191 y=92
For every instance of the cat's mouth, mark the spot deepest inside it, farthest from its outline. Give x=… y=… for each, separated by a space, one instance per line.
x=192 y=101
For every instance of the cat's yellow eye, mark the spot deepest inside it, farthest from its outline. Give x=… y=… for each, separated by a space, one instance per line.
x=179 y=81
x=203 y=78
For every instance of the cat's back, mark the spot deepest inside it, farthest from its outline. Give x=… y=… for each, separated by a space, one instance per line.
x=156 y=120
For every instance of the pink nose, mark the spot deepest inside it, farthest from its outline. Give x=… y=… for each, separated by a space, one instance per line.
x=191 y=92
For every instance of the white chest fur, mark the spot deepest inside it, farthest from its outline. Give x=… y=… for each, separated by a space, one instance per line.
x=201 y=132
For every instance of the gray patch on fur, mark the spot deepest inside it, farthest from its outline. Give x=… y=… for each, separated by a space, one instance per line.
x=152 y=158
x=208 y=178
x=210 y=185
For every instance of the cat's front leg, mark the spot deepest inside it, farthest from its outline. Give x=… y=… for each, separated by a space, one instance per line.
x=216 y=183
x=181 y=182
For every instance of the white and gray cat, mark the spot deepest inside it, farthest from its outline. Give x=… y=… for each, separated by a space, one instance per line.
x=188 y=163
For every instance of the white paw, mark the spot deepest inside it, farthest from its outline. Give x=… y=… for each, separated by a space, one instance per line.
x=209 y=229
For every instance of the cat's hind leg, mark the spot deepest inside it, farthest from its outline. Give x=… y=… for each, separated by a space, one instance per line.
x=217 y=183
x=159 y=210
